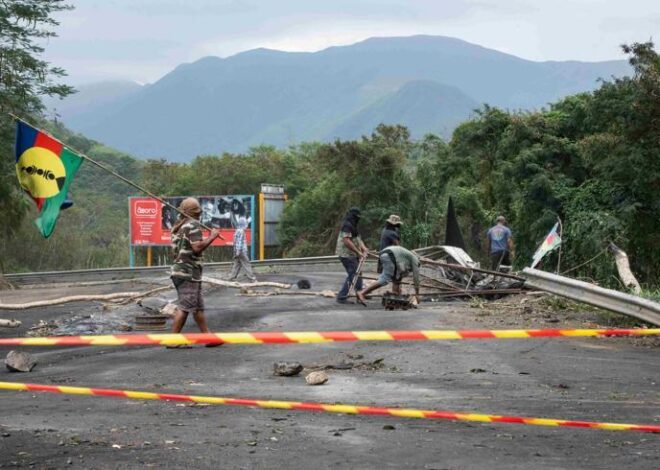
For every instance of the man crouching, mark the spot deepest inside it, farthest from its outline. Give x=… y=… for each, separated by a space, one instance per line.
x=397 y=263
x=188 y=245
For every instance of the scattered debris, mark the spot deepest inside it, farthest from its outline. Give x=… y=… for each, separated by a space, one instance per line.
x=338 y=432
x=377 y=364
x=452 y=271
x=287 y=369
x=117 y=320
x=169 y=310
x=153 y=304
x=316 y=378
x=153 y=317
x=9 y=323
x=397 y=302
x=304 y=284
x=150 y=322
x=72 y=298
x=119 y=297
x=20 y=361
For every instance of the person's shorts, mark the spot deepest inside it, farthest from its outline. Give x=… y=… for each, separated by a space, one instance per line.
x=189 y=295
x=388 y=273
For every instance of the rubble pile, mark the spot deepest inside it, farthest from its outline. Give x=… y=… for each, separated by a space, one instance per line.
x=448 y=271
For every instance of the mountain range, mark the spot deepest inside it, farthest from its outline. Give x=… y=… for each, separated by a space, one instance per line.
x=262 y=96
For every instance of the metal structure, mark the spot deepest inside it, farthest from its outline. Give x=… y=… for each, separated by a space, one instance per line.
x=107 y=274
x=608 y=299
x=271 y=204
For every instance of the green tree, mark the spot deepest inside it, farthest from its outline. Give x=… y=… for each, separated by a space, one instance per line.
x=24 y=78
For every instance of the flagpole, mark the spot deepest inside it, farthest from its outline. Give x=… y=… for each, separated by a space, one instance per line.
x=112 y=172
x=561 y=232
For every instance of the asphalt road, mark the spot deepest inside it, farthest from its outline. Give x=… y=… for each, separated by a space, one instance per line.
x=604 y=379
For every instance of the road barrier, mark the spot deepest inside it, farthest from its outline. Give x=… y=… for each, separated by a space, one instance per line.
x=129 y=273
x=615 y=301
x=329 y=408
x=314 y=337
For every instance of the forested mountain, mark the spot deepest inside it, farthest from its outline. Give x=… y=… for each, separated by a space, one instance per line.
x=264 y=96
x=423 y=106
x=91 y=96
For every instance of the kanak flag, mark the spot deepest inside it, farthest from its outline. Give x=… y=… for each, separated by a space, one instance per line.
x=552 y=241
x=45 y=170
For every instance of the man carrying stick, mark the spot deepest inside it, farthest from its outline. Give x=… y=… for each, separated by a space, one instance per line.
x=350 y=250
x=397 y=263
x=188 y=245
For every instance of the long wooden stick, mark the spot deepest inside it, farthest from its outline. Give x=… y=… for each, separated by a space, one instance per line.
x=112 y=172
x=239 y=285
x=64 y=300
x=324 y=293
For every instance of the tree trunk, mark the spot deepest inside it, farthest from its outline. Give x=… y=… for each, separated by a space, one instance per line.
x=623 y=266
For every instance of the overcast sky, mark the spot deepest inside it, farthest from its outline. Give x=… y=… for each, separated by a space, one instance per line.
x=144 y=39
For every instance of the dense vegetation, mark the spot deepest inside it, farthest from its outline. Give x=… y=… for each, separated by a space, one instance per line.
x=592 y=159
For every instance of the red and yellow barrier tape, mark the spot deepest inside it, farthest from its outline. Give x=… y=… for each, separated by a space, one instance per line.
x=328 y=408
x=313 y=337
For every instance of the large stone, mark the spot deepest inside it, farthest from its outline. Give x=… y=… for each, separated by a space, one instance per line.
x=153 y=304
x=20 y=362
x=168 y=310
x=287 y=369
x=316 y=378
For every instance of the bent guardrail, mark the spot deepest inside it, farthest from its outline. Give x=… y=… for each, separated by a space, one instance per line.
x=591 y=294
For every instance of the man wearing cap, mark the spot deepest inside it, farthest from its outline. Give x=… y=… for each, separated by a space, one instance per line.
x=398 y=263
x=188 y=246
x=500 y=244
x=390 y=235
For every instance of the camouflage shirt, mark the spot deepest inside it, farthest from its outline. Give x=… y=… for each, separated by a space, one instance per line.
x=342 y=250
x=187 y=264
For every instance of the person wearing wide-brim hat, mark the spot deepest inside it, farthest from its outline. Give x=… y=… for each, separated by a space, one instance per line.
x=390 y=236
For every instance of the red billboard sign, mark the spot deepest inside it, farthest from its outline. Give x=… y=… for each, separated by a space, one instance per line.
x=150 y=221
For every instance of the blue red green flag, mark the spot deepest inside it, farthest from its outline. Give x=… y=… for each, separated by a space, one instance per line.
x=552 y=241
x=45 y=170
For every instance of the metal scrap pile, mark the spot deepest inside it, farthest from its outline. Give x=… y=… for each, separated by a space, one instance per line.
x=449 y=271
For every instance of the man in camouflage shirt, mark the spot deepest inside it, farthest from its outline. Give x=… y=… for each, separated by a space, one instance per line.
x=188 y=245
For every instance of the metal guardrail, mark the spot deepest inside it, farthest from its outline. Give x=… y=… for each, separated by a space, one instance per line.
x=129 y=273
x=608 y=299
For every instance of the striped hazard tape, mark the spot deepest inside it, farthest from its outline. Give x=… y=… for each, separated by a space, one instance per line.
x=329 y=408
x=313 y=337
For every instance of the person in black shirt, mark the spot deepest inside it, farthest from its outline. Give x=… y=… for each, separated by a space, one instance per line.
x=390 y=235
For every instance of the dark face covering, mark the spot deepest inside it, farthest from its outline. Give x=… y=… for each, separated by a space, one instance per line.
x=351 y=222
